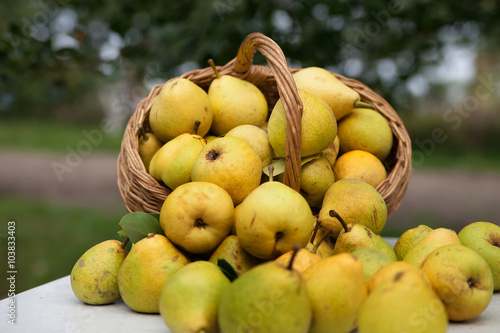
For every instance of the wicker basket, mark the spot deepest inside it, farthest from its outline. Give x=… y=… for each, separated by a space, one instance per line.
x=141 y=192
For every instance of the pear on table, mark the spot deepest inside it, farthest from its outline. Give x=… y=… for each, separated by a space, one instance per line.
x=409 y=239
x=434 y=239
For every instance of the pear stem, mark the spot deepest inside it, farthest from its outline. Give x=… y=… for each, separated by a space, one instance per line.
x=325 y=236
x=124 y=243
x=212 y=64
x=196 y=126
x=315 y=231
x=296 y=249
x=271 y=170
x=361 y=104
x=341 y=220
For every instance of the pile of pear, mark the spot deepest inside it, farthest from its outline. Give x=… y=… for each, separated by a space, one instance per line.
x=308 y=261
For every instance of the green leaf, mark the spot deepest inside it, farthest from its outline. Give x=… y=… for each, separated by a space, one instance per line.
x=279 y=164
x=155 y=215
x=138 y=225
x=227 y=269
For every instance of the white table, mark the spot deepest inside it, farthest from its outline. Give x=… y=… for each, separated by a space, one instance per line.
x=53 y=307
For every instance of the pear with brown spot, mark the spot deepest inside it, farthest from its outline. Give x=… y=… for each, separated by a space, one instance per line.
x=231 y=251
x=94 y=278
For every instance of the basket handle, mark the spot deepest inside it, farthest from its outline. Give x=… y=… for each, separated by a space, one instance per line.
x=287 y=91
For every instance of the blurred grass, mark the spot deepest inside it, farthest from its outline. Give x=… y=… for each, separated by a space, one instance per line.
x=51 y=237
x=53 y=136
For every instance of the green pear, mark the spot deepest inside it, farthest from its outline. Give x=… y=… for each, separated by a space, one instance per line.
x=231 y=251
x=434 y=239
x=356 y=236
x=319 y=126
x=365 y=129
x=484 y=238
x=189 y=300
x=235 y=102
x=357 y=202
x=150 y=263
x=461 y=278
x=94 y=276
x=337 y=290
x=268 y=298
x=149 y=144
x=197 y=216
x=272 y=219
x=404 y=303
x=409 y=239
x=372 y=260
x=322 y=83
x=230 y=163
x=173 y=162
x=178 y=105
x=257 y=139
x=332 y=151
x=316 y=177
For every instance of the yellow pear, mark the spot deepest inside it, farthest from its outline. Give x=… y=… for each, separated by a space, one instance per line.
x=372 y=260
x=189 y=300
x=150 y=263
x=404 y=303
x=173 y=162
x=337 y=290
x=409 y=239
x=178 y=105
x=235 y=102
x=94 y=276
x=257 y=139
x=389 y=271
x=365 y=129
x=359 y=164
x=319 y=126
x=149 y=144
x=197 y=216
x=231 y=251
x=272 y=219
x=303 y=259
x=230 y=163
x=322 y=83
x=434 y=239
x=357 y=202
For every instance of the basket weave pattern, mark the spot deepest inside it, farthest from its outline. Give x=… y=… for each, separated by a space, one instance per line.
x=141 y=192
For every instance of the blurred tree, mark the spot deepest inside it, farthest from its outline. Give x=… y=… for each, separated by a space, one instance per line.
x=55 y=54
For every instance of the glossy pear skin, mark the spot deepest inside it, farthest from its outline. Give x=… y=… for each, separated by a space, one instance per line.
x=434 y=239
x=231 y=251
x=150 y=263
x=461 y=278
x=176 y=108
x=272 y=219
x=269 y=298
x=409 y=239
x=484 y=238
x=322 y=83
x=337 y=290
x=404 y=303
x=235 y=102
x=319 y=126
x=189 y=299
x=172 y=163
x=359 y=237
x=94 y=276
x=356 y=202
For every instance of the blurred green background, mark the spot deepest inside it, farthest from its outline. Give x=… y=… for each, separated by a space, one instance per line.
x=72 y=72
